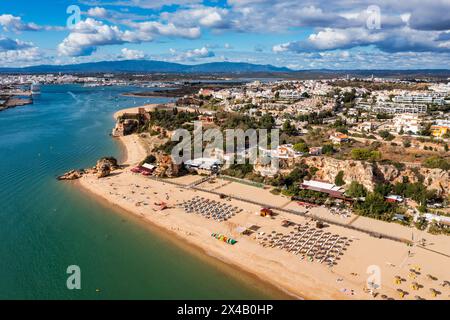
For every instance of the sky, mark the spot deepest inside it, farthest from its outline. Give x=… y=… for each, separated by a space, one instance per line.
x=311 y=34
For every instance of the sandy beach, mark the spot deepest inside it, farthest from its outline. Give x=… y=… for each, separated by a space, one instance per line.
x=300 y=278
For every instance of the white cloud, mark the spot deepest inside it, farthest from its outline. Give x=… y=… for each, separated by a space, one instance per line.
x=8 y=44
x=396 y=40
x=18 y=57
x=168 y=30
x=199 y=53
x=199 y=16
x=192 y=55
x=130 y=54
x=87 y=35
x=146 y=4
x=283 y=47
x=98 y=12
x=13 y=23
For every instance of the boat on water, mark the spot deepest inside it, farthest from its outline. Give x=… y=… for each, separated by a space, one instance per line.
x=35 y=88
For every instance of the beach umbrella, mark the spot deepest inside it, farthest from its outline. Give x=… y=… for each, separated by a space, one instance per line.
x=401 y=293
x=434 y=292
x=397 y=280
x=429 y=276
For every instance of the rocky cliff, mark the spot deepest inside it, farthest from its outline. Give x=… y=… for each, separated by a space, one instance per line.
x=369 y=174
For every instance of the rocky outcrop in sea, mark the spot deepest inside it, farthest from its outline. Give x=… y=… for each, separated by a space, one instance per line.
x=103 y=168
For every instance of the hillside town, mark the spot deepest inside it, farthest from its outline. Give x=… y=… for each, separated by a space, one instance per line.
x=373 y=147
x=393 y=134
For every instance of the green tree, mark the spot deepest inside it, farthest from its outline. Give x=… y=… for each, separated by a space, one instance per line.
x=426 y=129
x=289 y=129
x=375 y=206
x=365 y=154
x=306 y=95
x=356 y=190
x=301 y=147
x=339 y=179
x=327 y=149
x=266 y=121
x=406 y=143
x=149 y=159
x=386 y=135
x=313 y=171
x=437 y=162
x=383 y=189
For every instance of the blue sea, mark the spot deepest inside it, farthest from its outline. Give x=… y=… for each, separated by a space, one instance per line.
x=47 y=225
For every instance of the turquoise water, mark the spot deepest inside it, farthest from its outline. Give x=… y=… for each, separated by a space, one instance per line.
x=46 y=225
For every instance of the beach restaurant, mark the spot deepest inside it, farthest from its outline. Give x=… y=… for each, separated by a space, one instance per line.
x=331 y=189
x=203 y=165
x=146 y=169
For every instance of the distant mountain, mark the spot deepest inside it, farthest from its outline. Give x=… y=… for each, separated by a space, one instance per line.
x=234 y=67
x=149 y=66
x=229 y=68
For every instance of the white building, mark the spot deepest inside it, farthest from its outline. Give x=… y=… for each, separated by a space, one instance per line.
x=407 y=123
x=438 y=219
x=202 y=165
x=419 y=99
x=290 y=95
x=399 y=108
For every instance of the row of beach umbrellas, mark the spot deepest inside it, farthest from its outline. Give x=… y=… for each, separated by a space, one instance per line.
x=210 y=209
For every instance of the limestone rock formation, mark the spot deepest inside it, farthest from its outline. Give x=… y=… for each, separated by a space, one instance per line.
x=369 y=174
x=103 y=171
x=361 y=172
x=166 y=167
x=104 y=167
x=72 y=175
x=113 y=163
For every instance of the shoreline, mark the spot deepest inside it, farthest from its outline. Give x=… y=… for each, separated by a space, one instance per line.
x=192 y=248
x=16 y=103
x=160 y=95
x=274 y=268
x=218 y=261
x=184 y=236
x=195 y=250
x=265 y=286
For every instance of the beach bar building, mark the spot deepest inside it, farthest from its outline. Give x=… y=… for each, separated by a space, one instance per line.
x=203 y=165
x=442 y=220
x=331 y=189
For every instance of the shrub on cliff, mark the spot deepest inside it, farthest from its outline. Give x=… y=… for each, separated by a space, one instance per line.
x=386 y=135
x=301 y=147
x=339 y=179
x=365 y=154
x=327 y=149
x=356 y=190
x=149 y=159
x=436 y=162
